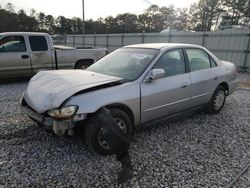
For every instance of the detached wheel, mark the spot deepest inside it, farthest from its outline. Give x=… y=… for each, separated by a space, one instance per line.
x=94 y=129
x=83 y=64
x=217 y=101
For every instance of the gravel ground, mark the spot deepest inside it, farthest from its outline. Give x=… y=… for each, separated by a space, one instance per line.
x=243 y=181
x=195 y=150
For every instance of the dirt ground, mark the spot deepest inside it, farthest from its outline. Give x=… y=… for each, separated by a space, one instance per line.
x=244 y=79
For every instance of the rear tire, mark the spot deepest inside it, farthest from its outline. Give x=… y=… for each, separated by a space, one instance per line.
x=94 y=128
x=83 y=64
x=217 y=101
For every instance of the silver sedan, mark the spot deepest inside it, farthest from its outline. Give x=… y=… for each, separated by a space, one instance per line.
x=139 y=84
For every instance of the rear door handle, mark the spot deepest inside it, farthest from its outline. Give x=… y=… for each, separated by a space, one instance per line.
x=216 y=78
x=184 y=85
x=25 y=57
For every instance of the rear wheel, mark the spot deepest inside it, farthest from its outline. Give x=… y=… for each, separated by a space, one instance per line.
x=217 y=101
x=83 y=64
x=94 y=130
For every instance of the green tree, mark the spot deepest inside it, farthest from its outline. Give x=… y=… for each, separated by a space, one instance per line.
x=238 y=12
x=41 y=20
x=156 y=18
x=151 y=19
x=9 y=7
x=99 y=26
x=127 y=23
x=61 y=25
x=111 y=25
x=182 y=19
x=8 y=21
x=33 y=13
x=49 y=24
x=26 y=23
x=205 y=14
x=77 y=25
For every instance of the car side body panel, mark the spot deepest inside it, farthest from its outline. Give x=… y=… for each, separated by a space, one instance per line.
x=203 y=83
x=67 y=58
x=127 y=94
x=227 y=74
x=164 y=96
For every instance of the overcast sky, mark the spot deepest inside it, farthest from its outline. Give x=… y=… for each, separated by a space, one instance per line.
x=93 y=8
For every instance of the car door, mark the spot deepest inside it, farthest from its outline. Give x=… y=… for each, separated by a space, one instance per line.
x=169 y=94
x=14 y=57
x=41 y=55
x=203 y=74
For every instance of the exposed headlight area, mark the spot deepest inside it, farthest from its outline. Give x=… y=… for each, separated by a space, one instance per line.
x=65 y=112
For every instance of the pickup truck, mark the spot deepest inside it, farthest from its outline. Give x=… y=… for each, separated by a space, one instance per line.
x=26 y=53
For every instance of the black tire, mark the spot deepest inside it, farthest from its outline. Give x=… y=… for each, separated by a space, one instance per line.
x=83 y=64
x=93 y=128
x=217 y=101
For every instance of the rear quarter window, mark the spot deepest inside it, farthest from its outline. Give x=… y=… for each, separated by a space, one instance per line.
x=213 y=63
x=38 y=43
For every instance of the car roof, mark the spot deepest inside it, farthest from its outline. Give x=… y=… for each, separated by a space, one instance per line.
x=23 y=33
x=161 y=45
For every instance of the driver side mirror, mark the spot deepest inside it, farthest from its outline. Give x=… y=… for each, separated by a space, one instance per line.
x=155 y=74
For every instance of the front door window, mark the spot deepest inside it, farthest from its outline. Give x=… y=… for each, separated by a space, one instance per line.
x=12 y=44
x=172 y=62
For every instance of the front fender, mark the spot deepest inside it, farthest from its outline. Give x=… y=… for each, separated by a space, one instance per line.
x=91 y=102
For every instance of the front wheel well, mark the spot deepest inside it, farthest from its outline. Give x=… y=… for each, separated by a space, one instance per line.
x=225 y=86
x=125 y=109
x=90 y=61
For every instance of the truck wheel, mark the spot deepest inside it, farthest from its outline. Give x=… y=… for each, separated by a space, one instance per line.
x=83 y=64
x=217 y=101
x=94 y=129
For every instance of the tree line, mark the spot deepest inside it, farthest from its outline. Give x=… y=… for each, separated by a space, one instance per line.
x=206 y=15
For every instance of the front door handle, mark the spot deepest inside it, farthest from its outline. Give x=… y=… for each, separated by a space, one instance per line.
x=25 y=57
x=216 y=78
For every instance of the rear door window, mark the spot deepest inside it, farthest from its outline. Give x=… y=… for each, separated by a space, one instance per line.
x=198 y=59
x=12 y=44
x=38 y=43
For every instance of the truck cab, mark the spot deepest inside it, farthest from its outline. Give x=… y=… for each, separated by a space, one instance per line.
x=26 y=53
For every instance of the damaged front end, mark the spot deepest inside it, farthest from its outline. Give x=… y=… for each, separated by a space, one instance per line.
x=44 y=99
x=59 y=120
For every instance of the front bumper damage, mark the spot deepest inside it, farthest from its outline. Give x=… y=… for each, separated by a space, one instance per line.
x=58 y=126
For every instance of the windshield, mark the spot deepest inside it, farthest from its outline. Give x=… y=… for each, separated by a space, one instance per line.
x=127 y=63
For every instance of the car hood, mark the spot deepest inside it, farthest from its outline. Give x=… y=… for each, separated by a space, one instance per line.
x=49 y=89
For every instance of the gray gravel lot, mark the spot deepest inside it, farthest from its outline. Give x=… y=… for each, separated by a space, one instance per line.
x=243 y=181
x=195 y=150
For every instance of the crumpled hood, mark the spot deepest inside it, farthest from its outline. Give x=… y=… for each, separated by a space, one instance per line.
x=49 y=89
